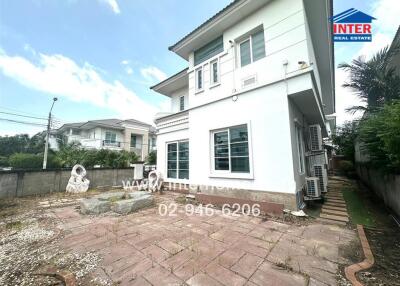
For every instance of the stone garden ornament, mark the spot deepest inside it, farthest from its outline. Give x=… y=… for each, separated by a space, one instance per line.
x=78 y=183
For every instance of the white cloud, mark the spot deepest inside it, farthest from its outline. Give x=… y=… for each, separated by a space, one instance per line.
x=124 y=62
x=113 y=5
x=384 y=28
x=129 y=70
x=153 y=73
x=61 y=76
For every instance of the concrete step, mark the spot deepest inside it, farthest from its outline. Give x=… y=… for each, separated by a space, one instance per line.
x=337 y=205
x=334 y=212
x=335 y=201
x=330 y=221
x=328 y=196
x=335 y=208
x=334 y=217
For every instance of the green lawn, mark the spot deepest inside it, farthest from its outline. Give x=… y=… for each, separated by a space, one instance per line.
x=358 y=211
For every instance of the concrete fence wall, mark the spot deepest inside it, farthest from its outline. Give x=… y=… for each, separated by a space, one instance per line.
x=386 y=186
x=37 y=182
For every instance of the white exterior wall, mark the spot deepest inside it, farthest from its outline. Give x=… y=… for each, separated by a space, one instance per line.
x=175 y=99
x=266 y=111
x=285 y=39
x=265 y=106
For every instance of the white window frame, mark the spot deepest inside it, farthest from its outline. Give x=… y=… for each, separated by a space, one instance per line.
x=177 y=160
x=300 y=148
x=227 y=173
x=212 y=62
x=197 y=79
x=180 y=107
x=250 y=38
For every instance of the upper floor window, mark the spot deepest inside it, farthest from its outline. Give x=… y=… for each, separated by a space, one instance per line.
x=214 y=69
x=199 y=79
x=133 y=140
x=76 y=132
x=209 y=50
x=182 y=103
x=252 y=48
x=111 y=137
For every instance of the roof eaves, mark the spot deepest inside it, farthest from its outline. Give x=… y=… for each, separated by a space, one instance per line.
x=229 y=6
x=170 y=78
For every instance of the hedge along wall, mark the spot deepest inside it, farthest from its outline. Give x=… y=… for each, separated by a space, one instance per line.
x=37 y=182
x=386 y=186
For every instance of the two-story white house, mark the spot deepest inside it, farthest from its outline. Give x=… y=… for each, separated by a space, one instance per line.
x=114 y=134
x=260 y=73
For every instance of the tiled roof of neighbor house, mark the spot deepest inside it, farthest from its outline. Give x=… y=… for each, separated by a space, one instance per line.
x=229 y=6
x=115 y=123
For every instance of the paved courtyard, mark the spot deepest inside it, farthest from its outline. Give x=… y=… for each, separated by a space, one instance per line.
x=145 y=248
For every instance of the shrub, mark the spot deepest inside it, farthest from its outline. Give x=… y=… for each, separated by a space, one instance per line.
x=4 y=161
x=152 y=158
x=25 y=161
x=380 y=133
x=32 y=161
x=347 y=168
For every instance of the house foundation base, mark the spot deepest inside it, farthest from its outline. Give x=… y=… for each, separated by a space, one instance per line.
x=270 y=202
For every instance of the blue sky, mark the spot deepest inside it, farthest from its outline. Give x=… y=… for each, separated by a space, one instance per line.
x=99 y=57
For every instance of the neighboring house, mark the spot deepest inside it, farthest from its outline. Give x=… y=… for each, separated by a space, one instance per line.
x=259 y=82
x=113 y=134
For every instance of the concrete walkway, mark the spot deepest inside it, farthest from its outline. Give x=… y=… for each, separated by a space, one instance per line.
x=145 y=248
x=334 y=208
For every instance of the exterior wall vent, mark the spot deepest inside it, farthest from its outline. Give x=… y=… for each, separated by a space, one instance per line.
x=249 y=81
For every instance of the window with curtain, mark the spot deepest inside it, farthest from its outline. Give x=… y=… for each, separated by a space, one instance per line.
x=214 y=72
x=133 y=140
x=252 y=48
x=181 y=103
x=209 y=50
x=231 y=150
x=111 y=137
x=199 y=79
x=178 y=160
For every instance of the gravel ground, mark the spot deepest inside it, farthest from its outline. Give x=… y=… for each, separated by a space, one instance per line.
x=29 y=243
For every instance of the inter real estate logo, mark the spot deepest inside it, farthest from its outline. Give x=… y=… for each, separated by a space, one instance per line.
x=352 y=25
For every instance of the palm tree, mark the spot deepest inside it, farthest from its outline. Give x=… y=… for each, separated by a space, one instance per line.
x=374 y=81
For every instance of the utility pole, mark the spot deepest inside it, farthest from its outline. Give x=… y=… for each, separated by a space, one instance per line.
x=46 y=146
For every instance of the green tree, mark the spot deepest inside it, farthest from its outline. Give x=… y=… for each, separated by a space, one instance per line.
x=380 y=133
x=374 y=81
x=152 y=158
x=344 y=139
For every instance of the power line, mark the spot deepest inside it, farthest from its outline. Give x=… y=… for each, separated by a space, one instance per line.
x=18 y=111
x=23 y=122
x=26 y=116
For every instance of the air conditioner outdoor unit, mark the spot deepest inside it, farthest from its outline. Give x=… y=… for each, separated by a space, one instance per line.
x=313 y=188
x=321 y=173
x=315 y=137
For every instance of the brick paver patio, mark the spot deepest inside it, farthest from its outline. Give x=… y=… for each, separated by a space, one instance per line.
x=145 y=248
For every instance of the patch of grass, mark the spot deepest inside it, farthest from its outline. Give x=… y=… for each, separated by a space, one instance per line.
x=15 y=225
x=358 y=212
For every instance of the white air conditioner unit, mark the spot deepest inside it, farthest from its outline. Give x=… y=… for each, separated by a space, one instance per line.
x=313 y=188
x=315 y=137
x=321 y=173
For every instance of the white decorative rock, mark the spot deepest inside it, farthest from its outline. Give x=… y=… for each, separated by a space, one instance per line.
x=78 y=183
